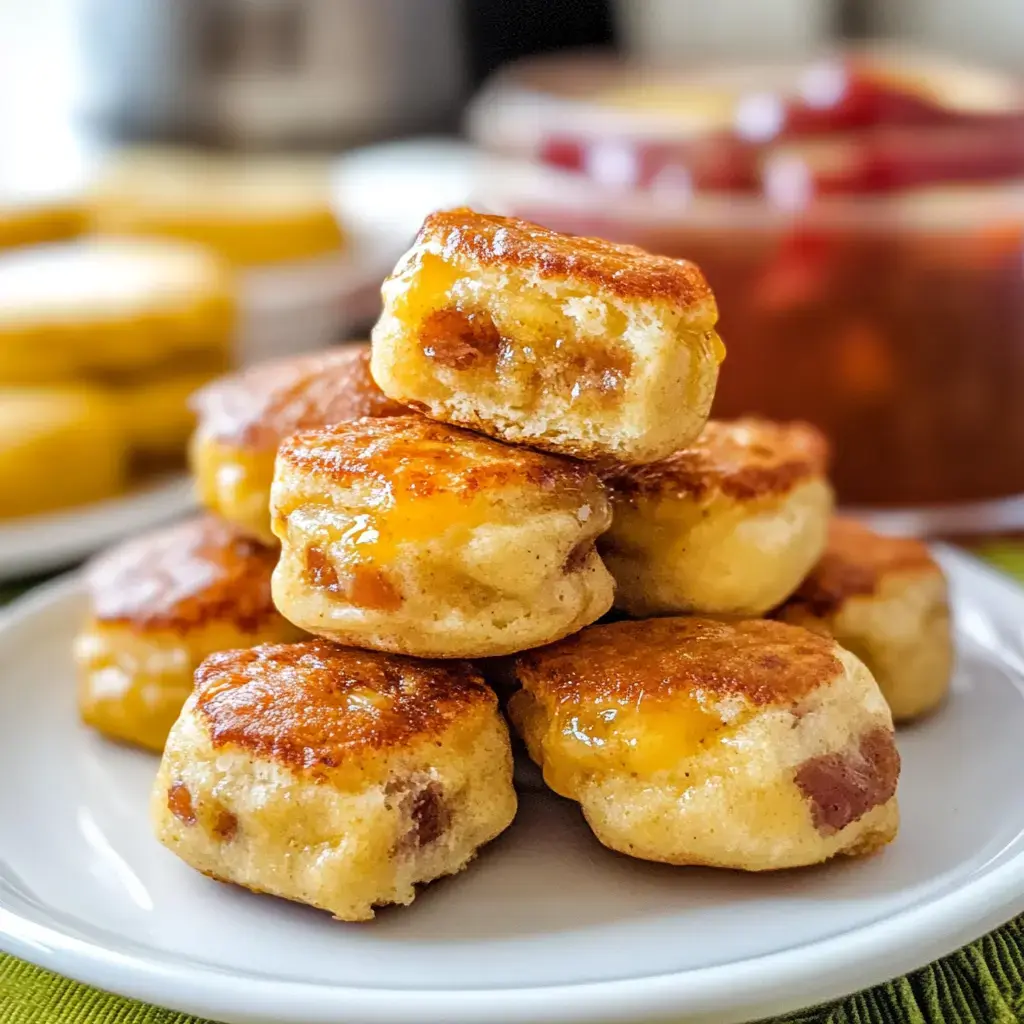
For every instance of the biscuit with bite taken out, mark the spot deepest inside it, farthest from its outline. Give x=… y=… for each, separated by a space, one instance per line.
x=572 y=345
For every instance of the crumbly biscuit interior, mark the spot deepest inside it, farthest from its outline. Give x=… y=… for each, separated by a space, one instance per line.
x=520 y=343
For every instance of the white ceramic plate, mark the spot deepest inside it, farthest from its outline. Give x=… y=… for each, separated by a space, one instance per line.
x=38 y=544
x=547 y=925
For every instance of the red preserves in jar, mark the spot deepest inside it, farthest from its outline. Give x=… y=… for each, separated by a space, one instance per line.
x=860 y=219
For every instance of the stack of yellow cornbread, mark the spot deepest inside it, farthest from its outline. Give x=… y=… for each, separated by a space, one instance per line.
x=104 y=338
x=516 y=485
x=101 y=341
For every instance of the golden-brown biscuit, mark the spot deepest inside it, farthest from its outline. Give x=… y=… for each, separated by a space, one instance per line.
x=59 y=446
x=573 y=345
x=244 y=417
x=749 y=745
x=726 y=527
x=885 y=599
x=160 y=604
x=332 y=776
x=411 y=536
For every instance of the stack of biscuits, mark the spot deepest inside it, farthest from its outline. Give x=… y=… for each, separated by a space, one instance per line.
x=511 y=505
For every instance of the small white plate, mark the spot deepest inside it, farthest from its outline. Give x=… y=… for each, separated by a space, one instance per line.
x=547 y=925
x=37 y=544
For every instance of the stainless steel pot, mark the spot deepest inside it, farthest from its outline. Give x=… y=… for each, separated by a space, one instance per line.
x=272 y=72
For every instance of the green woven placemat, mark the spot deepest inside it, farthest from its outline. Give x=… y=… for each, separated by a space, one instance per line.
x=980 y=984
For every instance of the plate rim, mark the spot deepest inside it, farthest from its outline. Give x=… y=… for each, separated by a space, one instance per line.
x=777 y=982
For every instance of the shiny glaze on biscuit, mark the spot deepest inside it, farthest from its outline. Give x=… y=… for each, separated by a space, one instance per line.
x=657 y=660
x=257 y=408
x=319 y=705
x=622 y=270
x=855 y=562
x=182 y=577
x=419 y=457
x=744 y=459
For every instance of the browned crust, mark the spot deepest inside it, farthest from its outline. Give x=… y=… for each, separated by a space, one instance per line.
x=842 y=787
x=658 y=659
x=744 y=459
x=305 y=704
x=257 y=408
x=622 y=270
x=420 y=457
x=184 y=577
x=855 y=564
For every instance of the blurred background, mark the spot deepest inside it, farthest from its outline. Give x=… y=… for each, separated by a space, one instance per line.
x=191 y=185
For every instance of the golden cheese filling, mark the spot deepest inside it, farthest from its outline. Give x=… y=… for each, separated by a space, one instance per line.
x=643 y=738
x=351 y=554
x=645 y=697
x=423 y=489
